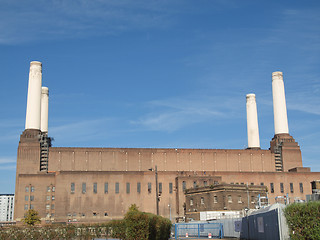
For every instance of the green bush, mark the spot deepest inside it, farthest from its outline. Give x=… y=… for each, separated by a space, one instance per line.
x=303 y=220
x=135 y=226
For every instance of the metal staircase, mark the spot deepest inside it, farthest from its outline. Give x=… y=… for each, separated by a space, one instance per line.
x=45 y=143
x=278 y=157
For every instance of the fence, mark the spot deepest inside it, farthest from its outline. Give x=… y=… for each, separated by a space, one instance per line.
x=198 y=230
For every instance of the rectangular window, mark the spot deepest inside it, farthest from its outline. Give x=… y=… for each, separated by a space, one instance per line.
x=281 y=188
x=95 y=187
x=191 y=202
x=32 y=189
x=117 y=187
x=27 y=189
x=215 y=199
x=252 y=199
x=84 y=187
x=184 y=185
x=106 y=187
x=53 y=198
x=138 y=187
x=26 y=198
x=301 y=187
x=170 y=187
x=271 y=188
x=26 y=207
x=194 y=184
x=52 y=207
x=239 y=199
x=48 y=198
x=72 y=187
x=215 y=182
x=291 y=187
x=48 y=206
x=205 y=183
x=48 y=189
x=262 y=184
x=128 y=187
x=252 y=183
x=31 y=198
x=53 y=189
x=31 y=206
x=202 y=200
x=149 y=187
x=229 y=199
x=160 y=188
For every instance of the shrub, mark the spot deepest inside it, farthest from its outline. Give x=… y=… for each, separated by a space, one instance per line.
x=31 y=217
x=303 y=220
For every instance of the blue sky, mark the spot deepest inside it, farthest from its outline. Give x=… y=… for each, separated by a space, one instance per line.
x=167 y=74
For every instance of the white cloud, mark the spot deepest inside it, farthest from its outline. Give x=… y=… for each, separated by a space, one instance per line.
x=6 y=160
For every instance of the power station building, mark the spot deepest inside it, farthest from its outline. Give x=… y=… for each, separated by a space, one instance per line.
x=98 y=184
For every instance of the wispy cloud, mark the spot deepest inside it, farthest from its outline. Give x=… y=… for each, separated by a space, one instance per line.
x=172 y=114
x=5 y=160
x=7 y=163
x=56 y=19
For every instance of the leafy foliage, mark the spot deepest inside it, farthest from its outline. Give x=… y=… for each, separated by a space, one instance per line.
x=31 y=217
x=303 y=220
x=136 y=225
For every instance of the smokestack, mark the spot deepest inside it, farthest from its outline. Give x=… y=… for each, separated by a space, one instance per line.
x=34 y=96
x=252 y=122
x=44 y=109
x=279 y=104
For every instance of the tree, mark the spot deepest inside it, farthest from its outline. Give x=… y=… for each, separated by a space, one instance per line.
x=31 y=217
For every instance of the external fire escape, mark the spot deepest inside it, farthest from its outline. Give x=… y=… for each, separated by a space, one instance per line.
x=278 y=157
x=45 y=143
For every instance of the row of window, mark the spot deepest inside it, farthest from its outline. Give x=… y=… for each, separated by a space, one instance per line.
x=32 y=189
x=215 y=200
x=117 y=187
x=282 y=188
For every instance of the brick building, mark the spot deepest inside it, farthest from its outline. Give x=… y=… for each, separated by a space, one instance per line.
x=98 y=184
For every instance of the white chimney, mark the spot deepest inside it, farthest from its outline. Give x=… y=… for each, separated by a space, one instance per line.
x=279 y=104
x=34 y=96
x=252 y=122
x=44 y=109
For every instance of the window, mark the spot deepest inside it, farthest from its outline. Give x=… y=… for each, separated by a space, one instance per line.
x=105 y=187
x=138 y=187
x=53 y=198
x=252 y=183
x=271 y=188
x=194 y=184
x=27 y=189
x=48 y=189
x=262 y=184
x=301 y=187
x=239 y=199
x=94 y=214
x=184 y=185
x=106 y=214
x=52 y=206
x=117 y=187
x=53 y=189
x=229 y=199
x=84 y=187
x=202 y=200
x=31 y=198
x=160 y=188
x=149 y=187
x=31 y=206
x=205 y=183
x=281 y=188
x=170 y=187
x=291 y=187
x=215 y=199
x=48 y=206
x=32 y=189
x=252 y=199
x=128 y=187
x=95 y=187
x=242 y=183
x=191 y=202
x=26 y=207
x=26 y=198
x=72 y=187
